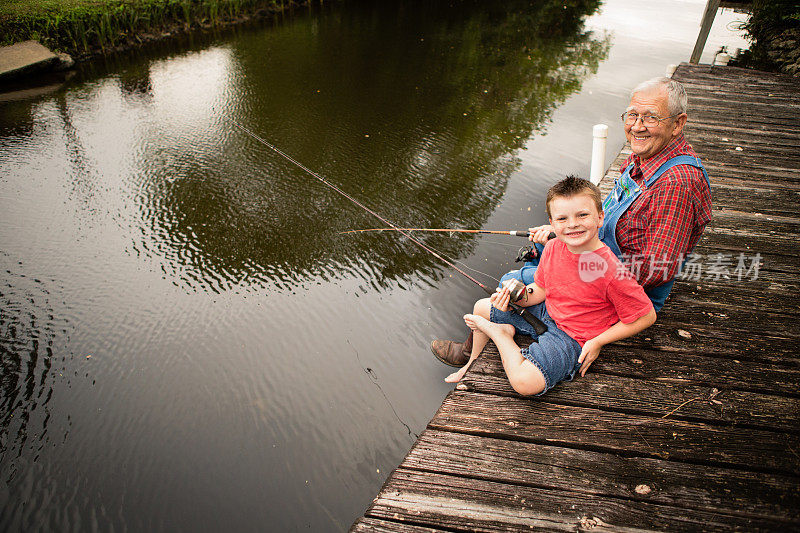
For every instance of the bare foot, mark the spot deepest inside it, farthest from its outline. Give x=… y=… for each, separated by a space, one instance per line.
x=489 y=328
x=456 y=376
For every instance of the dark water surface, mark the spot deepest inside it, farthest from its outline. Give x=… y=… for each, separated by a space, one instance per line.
x=187 y=340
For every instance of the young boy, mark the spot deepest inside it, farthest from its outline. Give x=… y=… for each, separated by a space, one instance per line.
x=581 y=291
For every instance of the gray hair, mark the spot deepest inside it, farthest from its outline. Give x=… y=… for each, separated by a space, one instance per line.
x=676 y=94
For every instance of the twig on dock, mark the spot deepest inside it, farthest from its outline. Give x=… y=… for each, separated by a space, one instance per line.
x=710 y=399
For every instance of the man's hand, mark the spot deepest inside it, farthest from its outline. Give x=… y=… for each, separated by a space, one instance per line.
x=500 y=299
x=591 y=349
x=540 y=234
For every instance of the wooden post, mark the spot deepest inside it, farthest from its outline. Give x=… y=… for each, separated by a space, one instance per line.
x=705 y=27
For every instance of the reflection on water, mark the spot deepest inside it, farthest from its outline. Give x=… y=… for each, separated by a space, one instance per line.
x=183 y=325
x=421 y=130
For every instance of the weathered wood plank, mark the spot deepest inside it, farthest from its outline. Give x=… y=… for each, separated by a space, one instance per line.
x=724 y=373
x=698 y=403
x=741 y=134
x=717 y=80
x=732 y=74
x=603 y=474
x=751 y=232
x=760 y=125
x=539 y=421
x=726 y=151
x=785 y=101
x=759 y=199
x=376 y=525
x=770 y=262
x=439 y=500
x=767 y=224
x=757 y=172
x=694 y=319
x=730 y=341
x=782 y=98
x=748 y=159
x=753 y=295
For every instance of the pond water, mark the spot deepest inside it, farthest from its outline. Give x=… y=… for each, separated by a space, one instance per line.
x=188 y=341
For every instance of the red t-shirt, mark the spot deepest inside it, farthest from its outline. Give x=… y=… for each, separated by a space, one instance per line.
x=588 y=293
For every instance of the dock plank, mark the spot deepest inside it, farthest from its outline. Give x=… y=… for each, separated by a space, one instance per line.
x=458 y=503
x=586 y=428
x=603 y=474
x=700 y=369
x=376 y=525
x=657 y=398
x=687 y=337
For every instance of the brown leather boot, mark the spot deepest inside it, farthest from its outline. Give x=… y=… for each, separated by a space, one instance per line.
x=452 y=353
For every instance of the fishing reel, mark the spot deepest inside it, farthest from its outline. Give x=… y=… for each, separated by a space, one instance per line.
x=516 y=288
x=527 y=253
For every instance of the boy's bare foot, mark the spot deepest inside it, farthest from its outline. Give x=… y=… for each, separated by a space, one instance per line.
x=456 y=376
x=489 y=328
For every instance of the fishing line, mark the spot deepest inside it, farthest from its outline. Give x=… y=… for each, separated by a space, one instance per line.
x=470 y=268
x=355 y=201
x=532 y=320
x=374 y=377
x=513 y=233
x=501 y=244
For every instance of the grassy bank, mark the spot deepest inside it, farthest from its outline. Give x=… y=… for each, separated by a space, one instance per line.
x=86 y=27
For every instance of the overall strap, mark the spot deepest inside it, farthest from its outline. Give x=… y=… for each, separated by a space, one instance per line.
x=675 y=161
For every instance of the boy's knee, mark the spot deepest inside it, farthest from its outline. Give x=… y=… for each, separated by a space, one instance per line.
x=482 y=307
x=525 y=388
x=527 y=379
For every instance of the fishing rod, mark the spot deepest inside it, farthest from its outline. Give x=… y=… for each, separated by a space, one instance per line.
x=513 y=233
x=526 y=253
x=537 y=324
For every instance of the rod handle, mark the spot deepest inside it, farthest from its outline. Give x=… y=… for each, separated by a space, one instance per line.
x=526 y=233
x=537 y=324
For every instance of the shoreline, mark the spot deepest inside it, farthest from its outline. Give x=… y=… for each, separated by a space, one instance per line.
x=103 y=35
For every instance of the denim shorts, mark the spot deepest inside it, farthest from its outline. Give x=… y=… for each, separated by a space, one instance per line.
x=553 y=352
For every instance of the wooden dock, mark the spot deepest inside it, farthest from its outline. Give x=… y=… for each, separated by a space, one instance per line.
x=692 y=425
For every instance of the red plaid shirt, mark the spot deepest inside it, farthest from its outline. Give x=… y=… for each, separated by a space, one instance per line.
x=667 y=219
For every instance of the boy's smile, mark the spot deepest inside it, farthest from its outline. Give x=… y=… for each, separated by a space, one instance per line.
x=576 y=221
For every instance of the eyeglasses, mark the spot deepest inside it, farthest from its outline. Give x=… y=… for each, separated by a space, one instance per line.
x=630 y=118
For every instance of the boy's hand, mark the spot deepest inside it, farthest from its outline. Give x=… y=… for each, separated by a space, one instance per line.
x=500 y=299
x=591 y=349
x=540 y=234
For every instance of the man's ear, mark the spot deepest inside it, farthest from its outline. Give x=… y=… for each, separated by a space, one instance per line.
x=680 y=122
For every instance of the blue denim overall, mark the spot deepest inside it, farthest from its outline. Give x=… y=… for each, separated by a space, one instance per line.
x=625 y=192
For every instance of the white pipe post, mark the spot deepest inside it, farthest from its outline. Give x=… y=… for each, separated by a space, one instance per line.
x=600 y=135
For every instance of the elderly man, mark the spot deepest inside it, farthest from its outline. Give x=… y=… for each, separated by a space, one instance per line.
x=658 y=208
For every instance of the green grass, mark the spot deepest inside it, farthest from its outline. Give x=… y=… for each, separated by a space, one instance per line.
x=82 y=27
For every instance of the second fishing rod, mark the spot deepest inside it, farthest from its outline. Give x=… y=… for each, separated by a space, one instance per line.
x=517 y=289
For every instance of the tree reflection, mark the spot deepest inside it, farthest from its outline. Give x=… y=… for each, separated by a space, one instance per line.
x=414 y=108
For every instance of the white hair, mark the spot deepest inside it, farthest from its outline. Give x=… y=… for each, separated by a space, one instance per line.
x=676 y=94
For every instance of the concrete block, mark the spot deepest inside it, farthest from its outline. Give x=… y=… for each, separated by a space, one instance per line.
x=24 y=58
